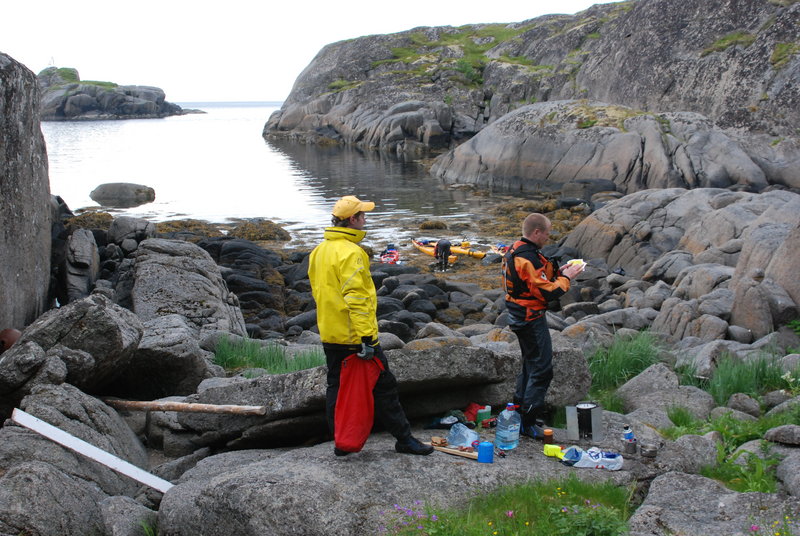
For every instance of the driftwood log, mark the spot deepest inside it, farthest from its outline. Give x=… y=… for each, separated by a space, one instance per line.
x=138 y=405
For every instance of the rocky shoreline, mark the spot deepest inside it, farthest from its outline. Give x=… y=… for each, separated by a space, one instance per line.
x=145 y=311
x=689 y=232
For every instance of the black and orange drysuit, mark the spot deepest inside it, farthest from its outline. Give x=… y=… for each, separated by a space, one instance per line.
x=530 y=281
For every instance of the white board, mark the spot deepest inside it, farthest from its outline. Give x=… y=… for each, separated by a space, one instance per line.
x=90 y=451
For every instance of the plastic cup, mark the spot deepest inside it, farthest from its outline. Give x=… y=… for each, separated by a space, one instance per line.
x=486 y=452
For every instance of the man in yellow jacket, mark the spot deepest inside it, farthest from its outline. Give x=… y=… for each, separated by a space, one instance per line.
x=346 y=300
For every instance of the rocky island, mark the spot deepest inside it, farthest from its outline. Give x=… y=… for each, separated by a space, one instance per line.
x=65 y=97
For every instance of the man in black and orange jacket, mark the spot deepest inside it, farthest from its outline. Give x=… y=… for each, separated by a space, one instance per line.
x=530 y=281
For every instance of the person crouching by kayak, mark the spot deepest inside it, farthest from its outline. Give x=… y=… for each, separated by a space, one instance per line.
x=346 y=317
x=442 y=253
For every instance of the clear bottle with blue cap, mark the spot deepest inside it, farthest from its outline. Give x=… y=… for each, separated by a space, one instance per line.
x=508 y=425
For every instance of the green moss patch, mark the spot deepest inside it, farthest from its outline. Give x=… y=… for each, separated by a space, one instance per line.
x=730 y=40
x=782 y=53
x=587 y=116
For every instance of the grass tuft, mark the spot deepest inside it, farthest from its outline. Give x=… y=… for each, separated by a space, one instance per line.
x=782 y=53
x=732 y=39
x=624 y=359
x=235 y=356
x=751 y=472
x=564 y=507
x=753 y=377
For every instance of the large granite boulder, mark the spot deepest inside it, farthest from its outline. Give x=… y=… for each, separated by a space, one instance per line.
x=176 y=277
x=122 y=194
x=168 y=361
x=657 y=387
x=765 y=279
x=38 y=498
x=546 y=145
x=50 y=490
x=81 y=265
x=87 y=343
x=25 y=209
x=310 y=491
x=678 y=503
x=66 y=98
x=66 y=407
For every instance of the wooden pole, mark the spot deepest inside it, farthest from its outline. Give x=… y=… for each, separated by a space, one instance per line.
x=184 y=407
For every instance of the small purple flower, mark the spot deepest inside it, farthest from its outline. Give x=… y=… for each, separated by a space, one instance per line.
x=755 y=528
x=564 y=509
x=434 y=517
x=510 y=513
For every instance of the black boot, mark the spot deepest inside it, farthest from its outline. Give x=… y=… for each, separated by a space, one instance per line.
x=412 y=445
x=532 y=425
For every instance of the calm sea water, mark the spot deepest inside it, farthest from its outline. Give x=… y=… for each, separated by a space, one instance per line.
x=216 y=167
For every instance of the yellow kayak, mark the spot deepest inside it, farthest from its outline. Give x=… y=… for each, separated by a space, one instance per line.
x=469 y=252
x=427 y=248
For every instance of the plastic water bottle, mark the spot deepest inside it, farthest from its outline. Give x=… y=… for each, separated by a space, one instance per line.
x=507 y=432
x=627 y=433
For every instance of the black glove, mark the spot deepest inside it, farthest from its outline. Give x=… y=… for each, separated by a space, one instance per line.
x=368 y=345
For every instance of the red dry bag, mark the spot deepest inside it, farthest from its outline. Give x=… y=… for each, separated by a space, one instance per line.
x=355 y=404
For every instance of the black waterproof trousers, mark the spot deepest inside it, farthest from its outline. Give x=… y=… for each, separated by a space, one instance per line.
x=388 y=410
x=537 y=366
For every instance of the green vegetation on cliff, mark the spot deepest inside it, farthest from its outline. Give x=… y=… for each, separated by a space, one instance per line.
x=468 y=44
x=732 y=39
x=69 y=75
x=782 y=53
x=460 y=54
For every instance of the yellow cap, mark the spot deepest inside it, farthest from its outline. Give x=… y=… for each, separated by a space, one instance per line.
x=349 y=205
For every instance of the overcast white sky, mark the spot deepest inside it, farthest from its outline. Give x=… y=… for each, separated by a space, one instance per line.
x=230 y=50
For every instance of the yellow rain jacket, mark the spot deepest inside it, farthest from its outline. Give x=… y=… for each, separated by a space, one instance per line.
x=342 y=287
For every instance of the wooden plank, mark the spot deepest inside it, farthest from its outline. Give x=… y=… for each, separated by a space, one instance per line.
x=456 y=452
x=166 y=405
x=90 y=451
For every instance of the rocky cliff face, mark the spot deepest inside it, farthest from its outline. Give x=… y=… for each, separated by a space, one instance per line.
x=65 y=97
x=25 y=207
x=734 y=62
